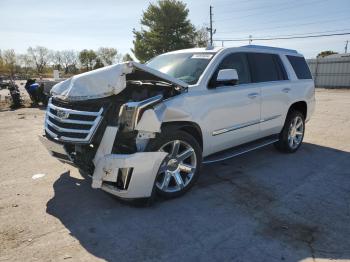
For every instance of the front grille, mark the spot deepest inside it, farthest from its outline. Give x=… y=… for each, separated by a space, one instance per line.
x=66 y=124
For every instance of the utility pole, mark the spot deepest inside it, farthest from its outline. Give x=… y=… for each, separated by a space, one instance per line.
x=346 y=46
x=210 y=29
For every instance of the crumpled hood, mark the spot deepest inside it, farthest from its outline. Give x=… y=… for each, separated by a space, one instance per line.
x=103 y=82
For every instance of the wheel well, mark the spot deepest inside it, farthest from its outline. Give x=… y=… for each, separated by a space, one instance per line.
x=191 y=128
x=300 y=106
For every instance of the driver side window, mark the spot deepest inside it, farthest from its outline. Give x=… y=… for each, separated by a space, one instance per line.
x=239 y=62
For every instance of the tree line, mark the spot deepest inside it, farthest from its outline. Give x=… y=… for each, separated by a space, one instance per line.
x=40 y=60
x=165 y=27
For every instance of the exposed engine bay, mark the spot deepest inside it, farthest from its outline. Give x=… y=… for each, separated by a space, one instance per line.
x=105 y=126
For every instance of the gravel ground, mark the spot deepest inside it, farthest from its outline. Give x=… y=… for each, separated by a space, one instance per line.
x=262 y=206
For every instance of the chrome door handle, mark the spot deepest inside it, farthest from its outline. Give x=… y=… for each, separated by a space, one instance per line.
x=253 y=95
x=286 y=90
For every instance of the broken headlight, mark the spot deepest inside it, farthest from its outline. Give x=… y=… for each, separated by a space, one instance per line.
x=130 y=113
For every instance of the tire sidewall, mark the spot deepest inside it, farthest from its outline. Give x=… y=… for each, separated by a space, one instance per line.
x=168 y=136
x=283 y=143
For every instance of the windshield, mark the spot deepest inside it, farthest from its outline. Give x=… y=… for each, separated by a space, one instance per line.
x=187 y=67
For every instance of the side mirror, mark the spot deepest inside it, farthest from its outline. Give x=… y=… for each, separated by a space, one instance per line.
x=227 y=77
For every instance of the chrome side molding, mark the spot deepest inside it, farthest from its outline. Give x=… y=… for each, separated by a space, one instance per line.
x=240 y=126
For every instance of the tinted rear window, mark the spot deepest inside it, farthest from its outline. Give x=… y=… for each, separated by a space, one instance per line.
x=266 y=67
x=300 y=67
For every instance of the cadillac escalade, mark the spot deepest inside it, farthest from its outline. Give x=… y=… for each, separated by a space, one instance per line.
x=139 y=129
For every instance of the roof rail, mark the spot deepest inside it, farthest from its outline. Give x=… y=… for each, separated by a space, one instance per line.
x=271 y=48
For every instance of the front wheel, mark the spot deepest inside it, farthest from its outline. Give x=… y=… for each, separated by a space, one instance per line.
x=292 y=133
x=180 y=168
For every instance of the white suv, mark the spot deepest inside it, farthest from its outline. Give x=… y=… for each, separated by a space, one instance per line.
x=139 y=129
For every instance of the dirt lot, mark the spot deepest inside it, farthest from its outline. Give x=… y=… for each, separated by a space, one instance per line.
x=263 y=206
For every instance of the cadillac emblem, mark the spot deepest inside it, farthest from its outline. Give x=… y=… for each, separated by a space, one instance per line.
x=62 y=114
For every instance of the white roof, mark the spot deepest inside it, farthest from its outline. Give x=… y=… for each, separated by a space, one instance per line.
x=248 y=47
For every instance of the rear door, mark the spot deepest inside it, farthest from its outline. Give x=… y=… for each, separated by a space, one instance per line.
x=269 y=74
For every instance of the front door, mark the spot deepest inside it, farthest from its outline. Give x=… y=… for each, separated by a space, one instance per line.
x=233 y=111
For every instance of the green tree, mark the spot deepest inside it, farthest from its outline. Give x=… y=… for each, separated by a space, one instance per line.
x=164 y=27
x=326 y=53
x=127 y=57
x=98 y=63
x=107 y=55
x=87 y=58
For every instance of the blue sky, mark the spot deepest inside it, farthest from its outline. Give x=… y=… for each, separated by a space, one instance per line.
x=78 y=24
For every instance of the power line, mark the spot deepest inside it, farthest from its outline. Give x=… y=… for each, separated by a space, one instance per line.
x=291 y=25
x=288 y=7
x=301 y=34
x=281 y=38
x=294 y=18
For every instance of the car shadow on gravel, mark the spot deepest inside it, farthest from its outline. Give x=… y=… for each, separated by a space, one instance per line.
x=263 y=206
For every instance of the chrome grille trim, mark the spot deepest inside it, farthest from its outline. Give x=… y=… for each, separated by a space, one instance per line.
x=68 y=130
x=81 y=122
x=87 y=132
x=75 y=112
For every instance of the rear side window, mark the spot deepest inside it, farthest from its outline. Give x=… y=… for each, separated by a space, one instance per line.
x=300 y=67
x=266 y=67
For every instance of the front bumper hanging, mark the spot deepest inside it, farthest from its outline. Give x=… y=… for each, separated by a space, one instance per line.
x=123 y=175
x=138 y=170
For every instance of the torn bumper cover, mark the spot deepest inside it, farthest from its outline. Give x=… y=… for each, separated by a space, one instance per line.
x=134 y=174
x=123 y=175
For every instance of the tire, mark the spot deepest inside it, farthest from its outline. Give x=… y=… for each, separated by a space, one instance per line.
x=179 y=171
x=292 y=134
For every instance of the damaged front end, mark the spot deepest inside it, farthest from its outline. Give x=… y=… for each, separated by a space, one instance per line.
x=102 y=121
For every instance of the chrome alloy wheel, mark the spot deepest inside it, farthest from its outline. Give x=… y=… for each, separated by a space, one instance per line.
x=296 y=132
x=178 y=168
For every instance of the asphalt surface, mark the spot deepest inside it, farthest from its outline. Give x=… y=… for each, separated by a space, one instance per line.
x=262 y=206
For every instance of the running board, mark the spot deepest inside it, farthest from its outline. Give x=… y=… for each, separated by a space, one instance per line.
x=240 y=150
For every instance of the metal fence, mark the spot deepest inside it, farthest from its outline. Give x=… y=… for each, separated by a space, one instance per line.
x=331 y=72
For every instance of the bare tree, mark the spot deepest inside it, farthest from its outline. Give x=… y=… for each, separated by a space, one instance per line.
x=201 y=37
x=69 y=59
x=9 y=58
x=108 y=55
x=1 y=60
x=25 y=62
x=56 y=59
x=40 y=56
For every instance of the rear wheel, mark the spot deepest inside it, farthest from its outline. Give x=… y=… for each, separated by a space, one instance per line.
x=180 y=169
x=292 y=133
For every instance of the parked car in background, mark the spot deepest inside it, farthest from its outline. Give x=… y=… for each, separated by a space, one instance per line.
x=139 y=129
